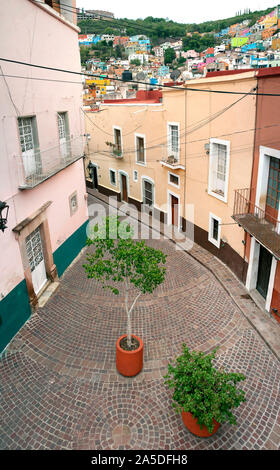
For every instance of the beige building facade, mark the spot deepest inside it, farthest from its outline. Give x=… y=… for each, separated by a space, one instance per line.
x=189 y=149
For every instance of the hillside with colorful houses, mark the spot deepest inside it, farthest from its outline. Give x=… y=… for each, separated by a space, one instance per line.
x=240 y=46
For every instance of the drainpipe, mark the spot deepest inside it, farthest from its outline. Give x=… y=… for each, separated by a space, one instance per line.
x=185 y=175
x=253 y=160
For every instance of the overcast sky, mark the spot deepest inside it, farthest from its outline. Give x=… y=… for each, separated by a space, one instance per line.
x=182 y=11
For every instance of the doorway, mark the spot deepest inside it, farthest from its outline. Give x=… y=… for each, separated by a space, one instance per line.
x=94 y=177
x=265 y=260
x=174 y=202
x=36 y=260
x=124 y=194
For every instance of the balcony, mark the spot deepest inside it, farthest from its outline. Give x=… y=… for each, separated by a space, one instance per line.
x=116 y=152
x=37 y=166
x=256 y=222
x=172 y=161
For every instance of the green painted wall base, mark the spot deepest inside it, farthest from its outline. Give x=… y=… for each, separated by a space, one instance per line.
x=14 y=311
x=68 y=251
x=15 y=308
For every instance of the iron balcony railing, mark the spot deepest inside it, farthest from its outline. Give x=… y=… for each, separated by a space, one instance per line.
x=264 y=227
x=35 y=166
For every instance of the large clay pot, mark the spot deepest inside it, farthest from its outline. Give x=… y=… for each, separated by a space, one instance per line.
x=191 y=423
x=129 y=363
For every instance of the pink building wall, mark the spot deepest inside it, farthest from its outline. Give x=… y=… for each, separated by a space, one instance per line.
x=40 y=36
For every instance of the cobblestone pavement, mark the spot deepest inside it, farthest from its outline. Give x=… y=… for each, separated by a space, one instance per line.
x=60 y=388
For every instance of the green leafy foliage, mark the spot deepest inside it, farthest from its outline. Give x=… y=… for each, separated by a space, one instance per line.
x=169 y=55
x=84 y=51
x=135 y=62
x=199 y=43
x=160 y=28
x=201 y=389
x=118 y=258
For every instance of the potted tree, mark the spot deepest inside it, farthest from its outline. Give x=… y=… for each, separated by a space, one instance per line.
x=203 y=395
x=118 y=258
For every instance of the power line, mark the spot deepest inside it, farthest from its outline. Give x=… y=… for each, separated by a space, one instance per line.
x=194 y=155
x=186 y=88
x=194 y=127
x=102 y=130
x=42 y=79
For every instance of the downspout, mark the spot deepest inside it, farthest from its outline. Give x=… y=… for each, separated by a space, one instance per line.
x=185 y=175
x=253 y=160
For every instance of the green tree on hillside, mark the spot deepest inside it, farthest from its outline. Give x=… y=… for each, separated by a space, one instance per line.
x=169 y=55
x=84 y=51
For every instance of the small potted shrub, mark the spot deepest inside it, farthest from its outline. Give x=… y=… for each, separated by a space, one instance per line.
x=203 y=395
x=120 y=259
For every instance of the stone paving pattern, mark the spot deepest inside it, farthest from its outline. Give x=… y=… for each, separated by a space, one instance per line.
x=60 y=388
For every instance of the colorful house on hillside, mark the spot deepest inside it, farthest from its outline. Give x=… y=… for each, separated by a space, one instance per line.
x=121 y=40
x=238 y=41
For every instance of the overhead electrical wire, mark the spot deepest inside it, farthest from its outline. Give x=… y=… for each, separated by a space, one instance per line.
x=194 y=155
x=186 y=88
x=194 y=127
x=41 y=79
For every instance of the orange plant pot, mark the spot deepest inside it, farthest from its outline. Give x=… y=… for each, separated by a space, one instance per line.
x=129 y=363
x=191 y=423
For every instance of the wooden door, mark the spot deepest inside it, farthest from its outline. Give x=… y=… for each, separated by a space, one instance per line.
x=174 y=210
x=124 y=188
x=273 y=191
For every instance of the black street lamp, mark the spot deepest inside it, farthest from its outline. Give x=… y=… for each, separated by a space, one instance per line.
x=4 y=209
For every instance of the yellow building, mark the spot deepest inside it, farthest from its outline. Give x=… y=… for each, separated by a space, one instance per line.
x=99 y=84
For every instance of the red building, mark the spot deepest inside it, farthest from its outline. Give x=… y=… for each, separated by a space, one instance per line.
x=121 y=40
x=257 y=208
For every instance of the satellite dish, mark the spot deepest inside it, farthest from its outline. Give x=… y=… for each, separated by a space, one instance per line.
x=175 y=74
x=140 y=76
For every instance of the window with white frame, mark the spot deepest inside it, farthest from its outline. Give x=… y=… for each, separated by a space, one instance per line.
x=173 y=179
x=218 y=168
x=117 y=141
x=113 y=177
x=26 y=133
x=148 y=192
x=61 y=118
x=214 y=233
x=29 y=145
x=173 y=141
x=140 y=149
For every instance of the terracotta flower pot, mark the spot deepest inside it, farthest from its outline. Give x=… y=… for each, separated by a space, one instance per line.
x=129 y=363
x=191 y=423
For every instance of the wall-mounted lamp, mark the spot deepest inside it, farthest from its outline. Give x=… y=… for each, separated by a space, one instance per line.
x=90 y=169
x=207 y=148
x=4 y=210
x=223 y=242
